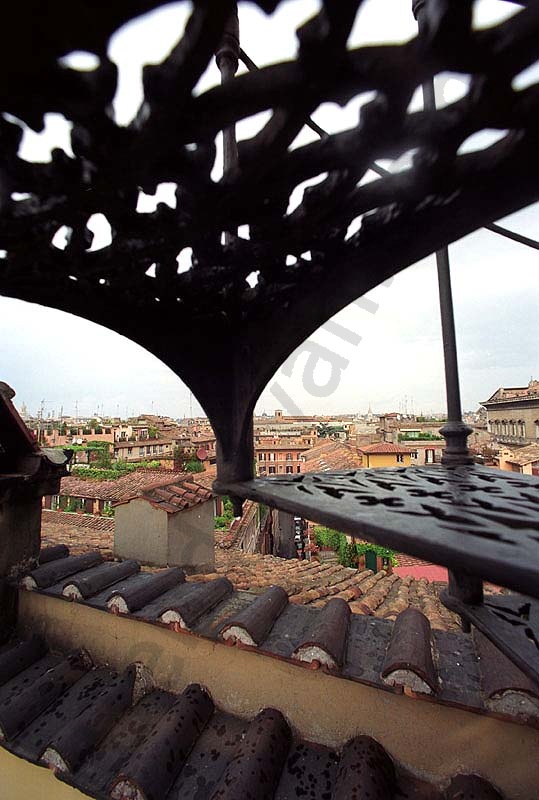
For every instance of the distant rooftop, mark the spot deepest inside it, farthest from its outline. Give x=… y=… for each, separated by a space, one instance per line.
x=382 y=448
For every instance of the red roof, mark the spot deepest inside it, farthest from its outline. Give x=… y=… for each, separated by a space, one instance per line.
x=173 y=496
x=331 y=454
x=379 y=448
x=123 y=488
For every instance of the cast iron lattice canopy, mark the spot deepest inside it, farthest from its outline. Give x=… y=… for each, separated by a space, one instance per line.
x=406 y=216
x=444 y=195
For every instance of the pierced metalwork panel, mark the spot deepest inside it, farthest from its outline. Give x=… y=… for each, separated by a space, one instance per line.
x=476 y=519
x=510 y=622
x=306 y=260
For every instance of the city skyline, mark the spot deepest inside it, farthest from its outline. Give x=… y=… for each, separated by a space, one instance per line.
x=50 y=356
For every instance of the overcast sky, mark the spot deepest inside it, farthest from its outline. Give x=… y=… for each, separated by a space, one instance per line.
x=50 y=356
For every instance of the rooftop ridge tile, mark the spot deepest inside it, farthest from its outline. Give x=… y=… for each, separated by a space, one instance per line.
x=276 y=628
x=408 y=660
x=166 y=744
x=153 y=767
x=56 y=570
x=252 y=625
x=254 y=771
x=28 y=701
x=186 y=612
x=67 y=748
x=326 y=639
x=137 y=595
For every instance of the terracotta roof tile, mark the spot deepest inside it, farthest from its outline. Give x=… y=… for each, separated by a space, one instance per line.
x=306 y=582
x=122 y=488
x=80 y=532
x=353 y=645
x=524 y=456
x=315 y=584
x=173 y=497
x=116 y=734
x=331 y=455
x=384 y=447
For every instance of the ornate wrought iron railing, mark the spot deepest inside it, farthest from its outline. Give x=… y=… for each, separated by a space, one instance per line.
x=481 y=525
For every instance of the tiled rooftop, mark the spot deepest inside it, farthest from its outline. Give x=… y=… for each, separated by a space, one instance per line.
x=306 y=583
x=176 y=496
x=121 y=488
x=330 y=454
x=312 y=583
x=524 y=455
x=401 y=652
x=80 y=532
x=117 y=735
x=84 y=532
x=381 y=448
x=144 y=443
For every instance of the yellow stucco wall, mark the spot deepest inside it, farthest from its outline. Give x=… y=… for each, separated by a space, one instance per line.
x=386 y=460
x=20 y=780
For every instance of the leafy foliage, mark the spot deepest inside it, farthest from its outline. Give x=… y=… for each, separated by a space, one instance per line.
x=79 y=448
x=117 y=470
x=350 y=552
x=223 y=521
x=193 y=466
x=185 y=461
x=325 y=430
x=73 y=504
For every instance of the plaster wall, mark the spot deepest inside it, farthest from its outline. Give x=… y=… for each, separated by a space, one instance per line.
x=190 y=536
x=20 y=779
x=140 y=532
x=432 y=740
x=386 y=460
x=421 y=447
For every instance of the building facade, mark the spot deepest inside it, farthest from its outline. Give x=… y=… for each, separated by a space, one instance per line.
x=386 y=454
x=275 y=458
x=524 y=460
x=513 y=414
